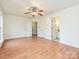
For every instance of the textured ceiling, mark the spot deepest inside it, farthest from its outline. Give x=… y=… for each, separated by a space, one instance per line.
x=19 y=7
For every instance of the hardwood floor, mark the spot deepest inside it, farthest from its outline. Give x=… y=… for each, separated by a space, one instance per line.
x=37 y=48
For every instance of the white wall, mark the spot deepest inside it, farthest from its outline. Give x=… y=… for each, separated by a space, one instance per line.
x=1 y=13
x=16 y=27
x=44 y=29
x=69 y=26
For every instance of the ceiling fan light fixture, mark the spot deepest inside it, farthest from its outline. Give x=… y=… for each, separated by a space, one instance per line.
x=35 y=11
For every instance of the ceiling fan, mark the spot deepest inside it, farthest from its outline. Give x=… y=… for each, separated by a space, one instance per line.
x=34 y=11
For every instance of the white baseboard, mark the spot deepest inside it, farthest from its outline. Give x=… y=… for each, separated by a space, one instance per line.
x=73 y=45
x=48 y=38
x=16 y=37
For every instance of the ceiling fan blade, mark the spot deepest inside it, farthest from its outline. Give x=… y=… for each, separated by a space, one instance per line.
x=40 y=10
x=40 y=14
x=29 y=9
x=27 y=12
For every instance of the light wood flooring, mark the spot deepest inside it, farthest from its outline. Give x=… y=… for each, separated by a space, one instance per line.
x=37 y=48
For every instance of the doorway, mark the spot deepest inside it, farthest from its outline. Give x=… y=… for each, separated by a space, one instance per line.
x=34 y=28
x=55 y=28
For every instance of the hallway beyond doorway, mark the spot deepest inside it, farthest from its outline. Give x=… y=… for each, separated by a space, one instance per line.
x=34 y=28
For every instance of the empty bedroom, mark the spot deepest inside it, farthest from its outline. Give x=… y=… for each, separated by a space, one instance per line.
x=39 y=29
